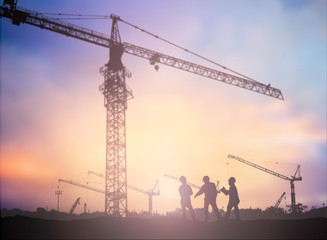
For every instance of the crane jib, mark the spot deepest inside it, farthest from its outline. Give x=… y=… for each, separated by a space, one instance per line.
x=21 y=15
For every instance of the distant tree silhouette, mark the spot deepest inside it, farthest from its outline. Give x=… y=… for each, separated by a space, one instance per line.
x=274 y=213
x=299 y=210
x=251 y=213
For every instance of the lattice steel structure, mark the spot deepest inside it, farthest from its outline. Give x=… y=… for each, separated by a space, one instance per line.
x=21 y=15
x=116 y=93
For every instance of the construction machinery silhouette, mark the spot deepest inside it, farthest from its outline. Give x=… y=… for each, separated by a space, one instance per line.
x=292 y=179
x=74 y=205
x=117 y=93
x=279 y=200
x=82 y=186
x=150 y=192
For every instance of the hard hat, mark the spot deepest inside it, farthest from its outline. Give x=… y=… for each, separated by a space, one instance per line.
x=205 y=179
x=182 y=179
x=232 y=179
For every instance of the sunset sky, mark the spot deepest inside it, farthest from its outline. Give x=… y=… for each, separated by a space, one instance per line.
x=53 y=118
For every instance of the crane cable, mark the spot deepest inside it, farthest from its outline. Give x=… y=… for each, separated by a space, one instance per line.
x=186 y=50
x=68 y=16
x=88 y=16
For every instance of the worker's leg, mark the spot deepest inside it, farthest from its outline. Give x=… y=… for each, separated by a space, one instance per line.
x=237 y=212
x=183 y=211
x=191 y=211
x=206 y=214
x=215 y=209
x=229 y=208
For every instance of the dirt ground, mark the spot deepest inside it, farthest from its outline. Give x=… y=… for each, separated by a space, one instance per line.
x=20 y=227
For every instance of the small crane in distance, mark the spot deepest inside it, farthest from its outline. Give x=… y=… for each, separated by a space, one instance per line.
x=74 y=206
x=150 y=192
x=292 y=179
x=279 y=200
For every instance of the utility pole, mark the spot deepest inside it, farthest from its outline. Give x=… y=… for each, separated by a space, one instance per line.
x=58 y=193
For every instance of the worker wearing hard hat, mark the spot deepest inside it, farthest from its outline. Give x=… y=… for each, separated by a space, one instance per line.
x=185 y=191
x=210 y=195
x=233 y=198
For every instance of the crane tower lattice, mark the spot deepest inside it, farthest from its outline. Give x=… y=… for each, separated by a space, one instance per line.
x=116 y=92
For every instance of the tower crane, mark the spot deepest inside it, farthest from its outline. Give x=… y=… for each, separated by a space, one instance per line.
x=279 y=200
x=83 y=186
x=96 y=174
x=150 y=193
x=74 y=205
x=296 y=177
x=117 y=93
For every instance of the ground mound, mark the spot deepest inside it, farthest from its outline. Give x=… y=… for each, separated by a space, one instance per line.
x=20 y=227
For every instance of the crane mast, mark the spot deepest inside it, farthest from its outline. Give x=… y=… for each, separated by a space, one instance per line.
x=292 y=179
x=150 y=193
x=117 y=93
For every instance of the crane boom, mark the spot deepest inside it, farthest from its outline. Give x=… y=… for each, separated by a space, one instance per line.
x=80 y=185
x=137 y=189
x=96 y=174
x=150 y=193
x=74 y=205
x=83 y=186
x=259 y=167
x=22 y=15
x=292 y=179
x=177 y=179
x=129 y=186
x=279 y=200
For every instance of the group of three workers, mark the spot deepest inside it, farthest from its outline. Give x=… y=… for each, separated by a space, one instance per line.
x=210 y=195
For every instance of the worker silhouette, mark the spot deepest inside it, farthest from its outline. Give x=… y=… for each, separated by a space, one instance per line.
x=233 y=198
x=210 y=195
x=185 y=191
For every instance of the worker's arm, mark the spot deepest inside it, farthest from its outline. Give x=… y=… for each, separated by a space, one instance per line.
x=226 y=192
x=199 y=192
